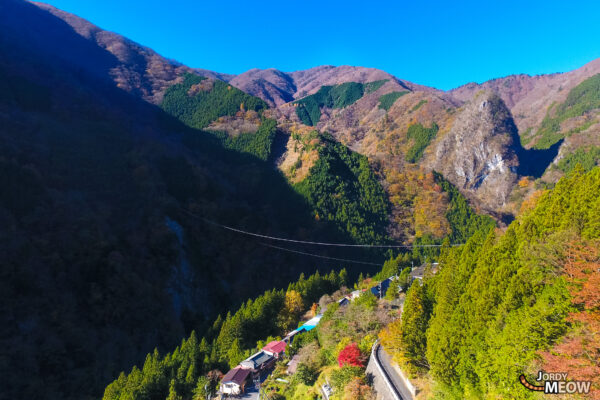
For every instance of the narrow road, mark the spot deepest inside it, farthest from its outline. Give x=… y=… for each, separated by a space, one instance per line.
x=386 y=364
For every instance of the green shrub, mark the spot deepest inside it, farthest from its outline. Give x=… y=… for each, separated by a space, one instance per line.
x=341 y=377
x=305 y=374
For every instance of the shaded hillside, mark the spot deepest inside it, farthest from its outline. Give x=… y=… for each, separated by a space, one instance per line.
x=131 y=66
x=190 y=368
x=99 y=263
x=342 y=188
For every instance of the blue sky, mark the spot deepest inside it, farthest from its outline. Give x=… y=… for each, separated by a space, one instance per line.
x=435 y=43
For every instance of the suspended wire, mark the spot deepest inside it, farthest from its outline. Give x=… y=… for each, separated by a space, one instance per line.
x=320 y=256
x=230 y=228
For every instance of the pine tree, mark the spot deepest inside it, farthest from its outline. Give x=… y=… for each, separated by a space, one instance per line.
x=173 y=395
x=343 y=278
x=415 y=318
x=235 y=354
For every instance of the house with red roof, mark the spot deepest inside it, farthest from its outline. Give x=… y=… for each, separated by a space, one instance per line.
x=275 y=348
x=234 y=382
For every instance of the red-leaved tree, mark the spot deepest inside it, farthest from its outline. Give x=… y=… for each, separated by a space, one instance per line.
x=350 y=355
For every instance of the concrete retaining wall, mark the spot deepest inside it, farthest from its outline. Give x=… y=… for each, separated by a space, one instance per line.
x=383 y=387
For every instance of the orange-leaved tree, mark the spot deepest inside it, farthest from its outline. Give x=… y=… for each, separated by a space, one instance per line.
x=578 y=354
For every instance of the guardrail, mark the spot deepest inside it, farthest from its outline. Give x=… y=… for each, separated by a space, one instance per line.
x=383 y=372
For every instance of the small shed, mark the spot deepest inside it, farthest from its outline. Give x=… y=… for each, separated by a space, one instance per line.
x=344 y=301
x=311 y=323
x=234 y=382
x=355 y=294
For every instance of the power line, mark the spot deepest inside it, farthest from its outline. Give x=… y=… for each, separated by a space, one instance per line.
x=385 y=246
x=320 y=256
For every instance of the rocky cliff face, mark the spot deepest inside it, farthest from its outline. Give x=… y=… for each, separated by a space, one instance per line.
x=477 y=153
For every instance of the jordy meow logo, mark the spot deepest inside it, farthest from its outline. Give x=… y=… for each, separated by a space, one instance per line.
x=556 y=383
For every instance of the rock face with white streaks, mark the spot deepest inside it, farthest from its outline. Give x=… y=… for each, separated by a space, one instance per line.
x=478 y=153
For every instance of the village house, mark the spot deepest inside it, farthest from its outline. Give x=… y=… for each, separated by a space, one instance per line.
x=234 y=382
x=380 y=290
x=344 y=301
x=275 y=348
x=258 y=362
x=419 y=272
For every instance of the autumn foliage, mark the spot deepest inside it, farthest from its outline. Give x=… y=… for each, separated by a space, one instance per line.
x=350 y=355
x=357 y=389
x=578 y=354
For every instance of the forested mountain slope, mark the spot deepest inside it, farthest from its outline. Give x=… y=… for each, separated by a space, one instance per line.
x=511 y=303
x=555 y=114
x=113 y=158
x=100 y=264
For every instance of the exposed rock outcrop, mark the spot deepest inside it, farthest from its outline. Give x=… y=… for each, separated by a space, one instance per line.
x=477 y=155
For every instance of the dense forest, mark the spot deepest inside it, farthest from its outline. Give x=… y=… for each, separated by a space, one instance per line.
x=342 y=188
x=183 y=373
x=386 y=101
x=127 y=180
x=308 y=109
x=502 y=304
x=198 y=101
x=421 y=138
x=335 y=351
x=587 y=158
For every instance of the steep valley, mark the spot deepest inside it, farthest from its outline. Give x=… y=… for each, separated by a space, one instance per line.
x=127 y=178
